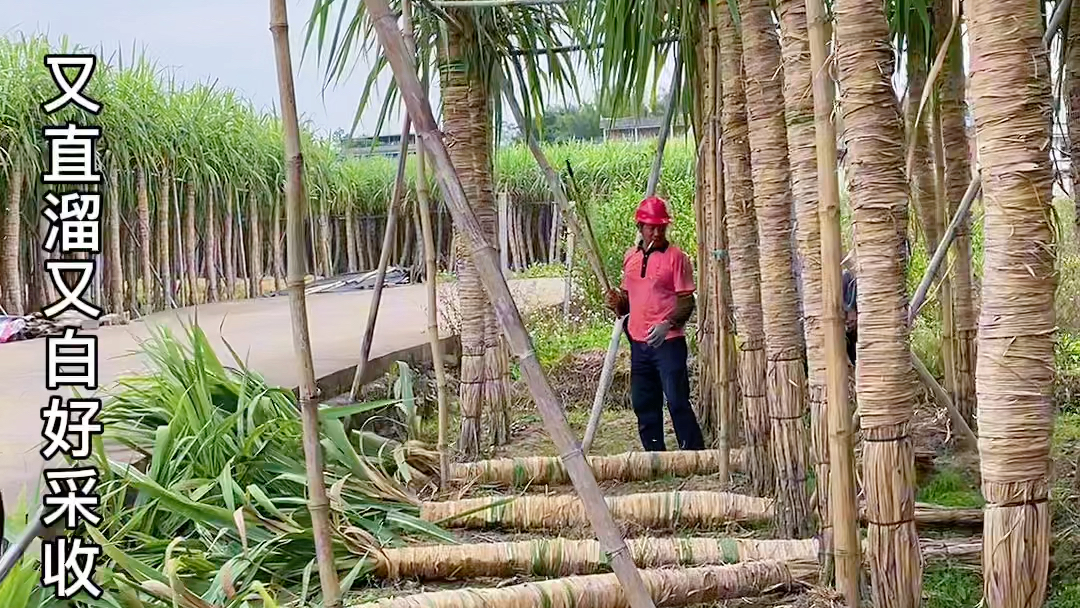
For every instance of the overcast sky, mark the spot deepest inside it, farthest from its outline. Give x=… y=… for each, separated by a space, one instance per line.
x=207 y=40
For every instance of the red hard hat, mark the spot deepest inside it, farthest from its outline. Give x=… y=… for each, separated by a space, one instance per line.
x=652 y=211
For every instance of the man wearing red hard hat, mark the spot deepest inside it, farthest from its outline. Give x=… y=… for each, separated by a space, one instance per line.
x=657 y=292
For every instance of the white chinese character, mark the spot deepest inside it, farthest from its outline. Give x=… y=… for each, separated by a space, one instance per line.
x=71 y=298
x=71 y=91
x=72 y=152
x=72 y=500
x=58 y=424
x=63 y=557
x=78 y=222
x=71 y=361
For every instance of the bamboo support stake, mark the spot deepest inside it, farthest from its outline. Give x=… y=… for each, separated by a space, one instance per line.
x=845 y=526
x=721 y=285
x=606 y=376
x=608 y=370
x=318 y=504
x=504 y=232
x=396 y=201
x=665 y=130
x=487 y=262
x=592 y=251
x=423 y=201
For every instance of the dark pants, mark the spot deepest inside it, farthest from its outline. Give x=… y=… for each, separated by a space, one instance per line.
x=852 y=336
x=654 y=374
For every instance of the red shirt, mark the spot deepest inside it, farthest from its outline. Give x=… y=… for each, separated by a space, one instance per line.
x=653 y=282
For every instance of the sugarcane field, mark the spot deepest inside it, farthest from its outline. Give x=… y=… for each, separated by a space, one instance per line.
x=540 y=303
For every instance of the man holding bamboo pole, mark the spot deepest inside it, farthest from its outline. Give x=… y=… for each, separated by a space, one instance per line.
x=659 y=280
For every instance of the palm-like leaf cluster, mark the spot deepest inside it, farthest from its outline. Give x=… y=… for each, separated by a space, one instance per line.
x=214 y=502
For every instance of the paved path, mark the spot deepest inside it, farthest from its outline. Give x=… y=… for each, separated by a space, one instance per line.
x=257 y=329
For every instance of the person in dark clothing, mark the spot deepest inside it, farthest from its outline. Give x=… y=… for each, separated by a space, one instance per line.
x=851 y=312
x=657 y=292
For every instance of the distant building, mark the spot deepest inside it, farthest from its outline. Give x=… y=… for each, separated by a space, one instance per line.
x=383 y=145
x=636 y=129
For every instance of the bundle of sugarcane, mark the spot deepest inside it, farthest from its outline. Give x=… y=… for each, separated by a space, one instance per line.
x=629 y=466
x=668 y=587
x=653 y=510
x=566 y=557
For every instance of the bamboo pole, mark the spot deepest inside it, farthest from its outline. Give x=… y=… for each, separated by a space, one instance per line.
x=592 y=251
x=396 y=201
x=318 y=504
x=722 y=282
x=487 y=262
x=845 y=534
x=665 y=130
x=432 y=271
x=606 y=375
x=608 y=371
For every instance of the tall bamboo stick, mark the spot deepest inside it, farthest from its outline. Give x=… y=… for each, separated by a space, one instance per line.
x=720 y=285
x=607 y=373
x=845 y=536
x=396 y=201
x=318 y=504
x=431 y=271
x=487 y=262
x=592 y=252
x=665 y=130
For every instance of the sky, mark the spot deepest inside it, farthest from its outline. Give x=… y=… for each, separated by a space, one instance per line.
x=202 y=41
x=227 y=41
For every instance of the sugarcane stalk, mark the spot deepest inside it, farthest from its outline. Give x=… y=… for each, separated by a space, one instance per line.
x=628 y=467
x=608 y=370
x=651 y=510
x=552 y=557
x=318 y=504
x=567 y=557
x=486 y=260
x=669 y=587
x=606 y=375
x=842 y=497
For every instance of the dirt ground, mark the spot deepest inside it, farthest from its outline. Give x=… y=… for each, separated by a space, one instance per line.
x=575 y=378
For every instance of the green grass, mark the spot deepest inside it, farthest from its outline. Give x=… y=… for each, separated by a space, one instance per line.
x=949 y=487
x=951 y=587
x=555 y=338
x=542 y=271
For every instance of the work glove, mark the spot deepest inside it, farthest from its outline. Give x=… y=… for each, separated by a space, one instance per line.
x=657 y=334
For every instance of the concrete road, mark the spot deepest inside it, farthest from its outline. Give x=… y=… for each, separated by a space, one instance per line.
x=258 y=330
